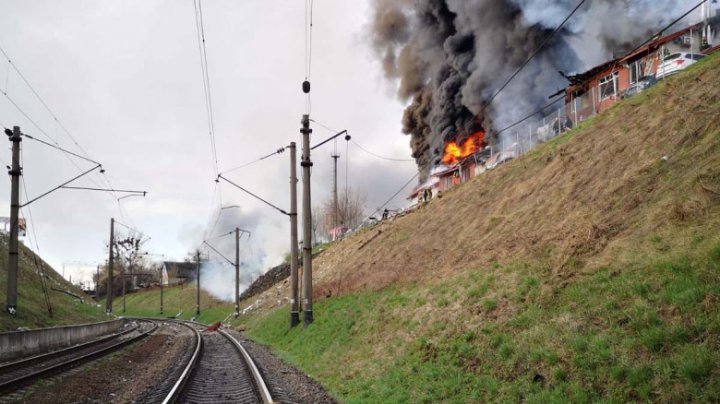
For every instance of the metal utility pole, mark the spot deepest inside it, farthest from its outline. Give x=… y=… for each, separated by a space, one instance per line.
x=97 y=282
x=306 y=163
x=335 y=158
x=108 y=300
x=122 y=278
x=295 y=300
x=161 y=292
x=237 y=272
x=197 y=293
x=15 y=173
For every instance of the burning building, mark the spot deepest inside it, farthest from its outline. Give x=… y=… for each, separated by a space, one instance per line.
x=449 y=58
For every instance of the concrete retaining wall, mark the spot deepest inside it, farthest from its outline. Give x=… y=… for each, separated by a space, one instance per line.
x=22 y=344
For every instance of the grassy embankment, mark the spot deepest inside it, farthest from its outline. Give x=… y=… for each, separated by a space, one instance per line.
x=146 y=303
x=587 y=270
x=32 y=307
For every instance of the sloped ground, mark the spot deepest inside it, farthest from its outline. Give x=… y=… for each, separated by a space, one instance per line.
x=32 y=307
x=587 y=269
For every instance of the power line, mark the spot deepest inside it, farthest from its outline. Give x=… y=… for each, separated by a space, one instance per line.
x=58 y=122
x=541 y=109
x=395 y=194
x=379 y=156
x=253 y=195
x=659 y=33
x=535 y=52
x=44 y=104
x=61 y=149
x=200 y=27
x=278 y=151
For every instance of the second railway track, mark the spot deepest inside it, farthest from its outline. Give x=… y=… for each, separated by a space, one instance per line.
x=15 y=375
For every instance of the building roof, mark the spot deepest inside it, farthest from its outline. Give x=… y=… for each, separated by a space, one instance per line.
x=651 y=45
x=658 y=41
x=181 y=269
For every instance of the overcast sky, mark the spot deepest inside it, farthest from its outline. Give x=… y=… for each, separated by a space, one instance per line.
x=125 y=79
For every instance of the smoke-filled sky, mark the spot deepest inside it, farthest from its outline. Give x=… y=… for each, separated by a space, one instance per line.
x=449 y=57
x=125 y=79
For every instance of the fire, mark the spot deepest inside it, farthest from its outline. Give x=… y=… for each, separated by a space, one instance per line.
x=454 y=152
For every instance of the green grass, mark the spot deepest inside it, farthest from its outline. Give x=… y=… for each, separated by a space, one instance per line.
x=649 y=331
x=32 y=308
x=146 y=303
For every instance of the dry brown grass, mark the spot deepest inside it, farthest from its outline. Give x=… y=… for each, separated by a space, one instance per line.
x=568 y=201
x=572 y=204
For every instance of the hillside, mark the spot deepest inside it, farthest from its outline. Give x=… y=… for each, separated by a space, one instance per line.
x=585 y=270
x=177 y=301
x=32 y=306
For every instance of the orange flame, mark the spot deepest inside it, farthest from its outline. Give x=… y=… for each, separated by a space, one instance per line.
x=454 y=152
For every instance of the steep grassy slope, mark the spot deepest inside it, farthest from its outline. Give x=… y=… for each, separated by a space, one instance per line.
x=32 y=307
x=587 y=269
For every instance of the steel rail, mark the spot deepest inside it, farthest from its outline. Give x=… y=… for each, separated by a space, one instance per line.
x=185 y=376
x=254 y=371
x=9 y=366
x=257 y=376
x=9 y=385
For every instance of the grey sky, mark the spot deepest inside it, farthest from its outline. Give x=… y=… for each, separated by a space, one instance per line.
x=124 y=78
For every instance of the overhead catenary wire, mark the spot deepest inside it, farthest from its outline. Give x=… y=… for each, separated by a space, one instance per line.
x=66 y=152
x=42 y=101
x=253 y=195
x=200 y=26
x=278 y=151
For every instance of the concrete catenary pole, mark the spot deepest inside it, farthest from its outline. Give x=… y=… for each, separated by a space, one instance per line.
x=109 y=299
x=197 y=292
x=295 y=300
x=336 y=220
x=15 y=172
x=237 y=272
x=306 y=163
x=161 y=291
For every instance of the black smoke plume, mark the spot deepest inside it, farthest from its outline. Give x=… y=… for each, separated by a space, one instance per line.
x=450 y=56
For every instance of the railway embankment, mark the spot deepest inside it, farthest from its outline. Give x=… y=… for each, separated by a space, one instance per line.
x=586 y=270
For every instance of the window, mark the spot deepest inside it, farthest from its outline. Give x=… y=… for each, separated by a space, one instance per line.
x=608 y=85
x=637 y=71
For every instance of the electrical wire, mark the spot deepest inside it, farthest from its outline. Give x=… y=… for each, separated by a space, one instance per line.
x=44 y=104
x=379 y=156
x=659 y=33
x=395 y=194
x=200 y=27
x=278 y=151
x=535 y=52
x=539 y=110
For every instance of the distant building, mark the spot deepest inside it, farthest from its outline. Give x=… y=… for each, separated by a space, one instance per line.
x=174 y=273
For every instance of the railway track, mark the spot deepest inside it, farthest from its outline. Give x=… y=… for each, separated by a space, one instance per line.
x=15 y=375
x=218 y=371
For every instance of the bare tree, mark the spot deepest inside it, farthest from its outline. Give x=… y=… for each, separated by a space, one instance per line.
x=349 y=212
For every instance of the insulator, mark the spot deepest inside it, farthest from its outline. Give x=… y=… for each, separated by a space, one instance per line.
x=306 y=87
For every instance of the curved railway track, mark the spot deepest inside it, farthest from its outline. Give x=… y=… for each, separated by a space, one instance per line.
x=218 y=371
x=18 y=374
